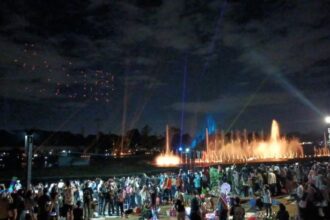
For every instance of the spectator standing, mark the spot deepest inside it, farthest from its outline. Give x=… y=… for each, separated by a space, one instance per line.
x=197 y=183
x=153 y=196
x=271 y=180
x=179 y=183
x=267 y=200
x=195 y=213
x=44 y=205
x=101 y=197
x=167 y=185
x=78 y=212
x=4 y=207
x=144 y=193
x=19 y=202
x=282 y=214
x=237 y=211
x=54 y=200
x=179 y=207
x=120 y=198
x=29 y=204
x=12 y=210
x=88 y=199
x=222 y=207
x=68 y=201
x=112 y=196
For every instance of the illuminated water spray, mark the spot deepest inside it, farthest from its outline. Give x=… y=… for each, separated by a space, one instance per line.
x=238 y=148
x=167 y=144
x=168 y=158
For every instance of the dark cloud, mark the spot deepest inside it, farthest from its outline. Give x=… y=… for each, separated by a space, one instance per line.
x=233 y=103
x=59 y=54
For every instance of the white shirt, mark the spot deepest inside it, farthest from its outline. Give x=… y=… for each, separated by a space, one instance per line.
x=271 y=178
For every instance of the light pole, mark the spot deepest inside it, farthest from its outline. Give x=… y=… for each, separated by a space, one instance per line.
x=181 y=159
x=28 y=153
x=327 y=122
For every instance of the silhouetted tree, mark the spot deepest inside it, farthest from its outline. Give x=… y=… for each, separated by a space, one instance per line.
x=133 y=138
x=145 y=132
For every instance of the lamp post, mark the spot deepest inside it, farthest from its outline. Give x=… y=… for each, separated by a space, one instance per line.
x=181 y=158
x=28 y=153
x=189 y=154
x=327 y=122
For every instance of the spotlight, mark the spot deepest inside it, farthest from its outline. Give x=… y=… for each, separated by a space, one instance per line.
x=327 y=119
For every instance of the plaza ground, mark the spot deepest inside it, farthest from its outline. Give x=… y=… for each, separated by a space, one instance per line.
x=286 y=200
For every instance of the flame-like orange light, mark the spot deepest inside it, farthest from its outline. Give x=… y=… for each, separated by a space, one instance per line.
x=240 y=149
x=168 y=158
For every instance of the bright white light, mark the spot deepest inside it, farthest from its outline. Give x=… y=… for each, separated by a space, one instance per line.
x=327 y=119
x=187 y=150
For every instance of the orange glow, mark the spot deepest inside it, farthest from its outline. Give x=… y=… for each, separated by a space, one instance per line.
x=168 y=158
x=240 y=149
x=321 y=152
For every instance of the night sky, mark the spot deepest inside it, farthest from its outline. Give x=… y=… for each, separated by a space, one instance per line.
x=82 y=64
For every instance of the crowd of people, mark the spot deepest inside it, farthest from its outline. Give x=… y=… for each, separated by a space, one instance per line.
x=189 y=193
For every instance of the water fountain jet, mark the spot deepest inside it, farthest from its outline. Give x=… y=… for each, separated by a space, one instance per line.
x=239 y=148
x=168 y=158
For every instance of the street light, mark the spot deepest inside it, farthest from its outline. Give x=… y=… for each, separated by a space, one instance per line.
x=28 y=152
x=327 y=121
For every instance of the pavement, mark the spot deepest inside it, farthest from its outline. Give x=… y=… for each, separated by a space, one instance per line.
x=250 y=212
